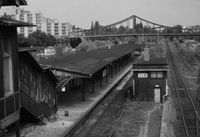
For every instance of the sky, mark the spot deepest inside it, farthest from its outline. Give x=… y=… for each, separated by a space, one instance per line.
x=82 y=12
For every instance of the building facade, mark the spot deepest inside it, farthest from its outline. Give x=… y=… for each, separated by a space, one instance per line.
x=9 y=89
x=150 y=79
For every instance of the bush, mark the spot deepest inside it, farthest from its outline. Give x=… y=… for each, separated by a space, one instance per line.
x=187 y=54
x=83 y=46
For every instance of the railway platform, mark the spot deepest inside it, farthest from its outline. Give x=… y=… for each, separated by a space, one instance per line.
x=78 y=109
x=73 y=110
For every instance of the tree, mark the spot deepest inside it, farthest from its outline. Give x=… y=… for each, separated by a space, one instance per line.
x=92 y=27
x=59 y=49
x=83 y=46
x=51 y=40
x=167 y=30
x=96 y=27
x=22 y=41
x=178 y=29
x=39 y=38
x=138 y=28
x=74 y=42
x=73 y=27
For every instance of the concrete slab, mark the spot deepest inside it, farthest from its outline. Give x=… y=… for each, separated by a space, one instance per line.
x=168 y=119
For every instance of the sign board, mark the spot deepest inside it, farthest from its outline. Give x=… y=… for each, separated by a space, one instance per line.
x=62 y=73
x=142 y=75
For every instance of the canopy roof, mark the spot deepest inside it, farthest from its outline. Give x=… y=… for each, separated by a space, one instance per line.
x=89 y=62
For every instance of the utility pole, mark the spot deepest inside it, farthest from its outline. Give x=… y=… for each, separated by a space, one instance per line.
x=158 y=36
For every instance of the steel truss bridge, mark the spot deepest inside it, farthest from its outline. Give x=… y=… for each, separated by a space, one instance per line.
x=133 y=26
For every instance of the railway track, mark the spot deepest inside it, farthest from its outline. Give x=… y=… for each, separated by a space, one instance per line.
x=98 y=125
x=187 y=114
x=95 y=122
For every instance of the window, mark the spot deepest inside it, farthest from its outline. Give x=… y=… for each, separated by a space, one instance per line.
x=156 y=74
x=153 y=74
x=159 y=75
x=7 y=67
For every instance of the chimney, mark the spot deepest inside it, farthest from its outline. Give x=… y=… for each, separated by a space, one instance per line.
x=146 y=53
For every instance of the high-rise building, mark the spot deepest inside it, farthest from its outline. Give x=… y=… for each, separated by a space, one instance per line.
x=31 y=18
x=50 y=26
x=44 y=24
x=54 y=27
x=66 y=28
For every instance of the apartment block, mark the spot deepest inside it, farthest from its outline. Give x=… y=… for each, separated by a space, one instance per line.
x=44 y=24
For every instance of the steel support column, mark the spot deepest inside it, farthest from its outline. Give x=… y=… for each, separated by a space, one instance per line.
x=101 y=81
x=107 y=74
x=83 y=91
x=116 y=68
x=93 y=88
x=111 y=71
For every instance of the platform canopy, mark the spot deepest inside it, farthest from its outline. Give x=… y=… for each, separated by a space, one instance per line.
x=89 y=62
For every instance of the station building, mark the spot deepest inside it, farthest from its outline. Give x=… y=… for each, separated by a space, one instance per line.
x=150 y=78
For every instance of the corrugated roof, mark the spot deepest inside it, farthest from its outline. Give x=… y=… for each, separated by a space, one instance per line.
x=89 y=62
x=14 y=23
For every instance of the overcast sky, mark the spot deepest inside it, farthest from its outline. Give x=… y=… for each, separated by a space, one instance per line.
x=82 y=12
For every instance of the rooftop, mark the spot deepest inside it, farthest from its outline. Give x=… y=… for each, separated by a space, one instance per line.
x=153 y=63
x=89 y=62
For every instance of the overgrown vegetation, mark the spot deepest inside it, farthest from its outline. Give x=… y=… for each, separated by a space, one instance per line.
x=91 y=45
x=189 y=50
x=158 y=50
x=40 y=39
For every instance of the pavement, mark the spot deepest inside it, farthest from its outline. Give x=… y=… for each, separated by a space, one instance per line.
x=168 y=119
